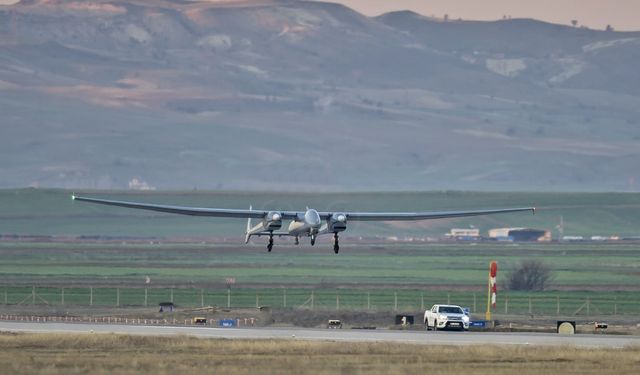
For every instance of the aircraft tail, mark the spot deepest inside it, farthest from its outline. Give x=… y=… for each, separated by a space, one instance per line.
x=247 y=236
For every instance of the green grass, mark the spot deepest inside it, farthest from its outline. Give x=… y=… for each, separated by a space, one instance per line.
x=361 y=277
x=601 y=265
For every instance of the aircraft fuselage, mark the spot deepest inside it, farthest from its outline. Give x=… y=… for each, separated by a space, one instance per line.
x=306 y=225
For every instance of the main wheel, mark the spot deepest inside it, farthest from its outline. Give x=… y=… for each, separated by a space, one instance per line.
x=270 y=244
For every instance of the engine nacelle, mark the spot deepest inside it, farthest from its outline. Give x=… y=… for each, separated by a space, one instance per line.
x=272 y=221
x=337 y=222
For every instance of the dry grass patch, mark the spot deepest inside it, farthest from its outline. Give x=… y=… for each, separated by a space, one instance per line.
x=111 y=353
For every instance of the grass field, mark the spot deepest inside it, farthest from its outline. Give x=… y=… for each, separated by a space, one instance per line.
x=364 y=274
x=109 y=353
x=366 y=277
x=51 y=212
x=592 y=266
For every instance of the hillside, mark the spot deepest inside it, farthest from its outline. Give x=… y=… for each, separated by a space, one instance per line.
x=296 y=95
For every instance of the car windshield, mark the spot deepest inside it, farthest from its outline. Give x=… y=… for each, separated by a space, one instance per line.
x=450 y=310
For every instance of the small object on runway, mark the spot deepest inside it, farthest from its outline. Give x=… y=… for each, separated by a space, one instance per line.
x=566 y=327
x=600 y=327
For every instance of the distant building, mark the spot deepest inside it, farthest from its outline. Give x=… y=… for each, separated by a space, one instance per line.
x=605 y=238
x=140 y=184
x=463 y=234
x=520 y=234
x=573 y=238
x=592 y=238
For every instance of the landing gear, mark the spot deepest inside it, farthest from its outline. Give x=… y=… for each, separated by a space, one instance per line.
x=336 y=245
x=270 y=244
x=297 y=241
x=313 y=239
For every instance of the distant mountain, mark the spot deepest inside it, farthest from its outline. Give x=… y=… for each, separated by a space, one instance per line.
x=308 y=95
x=534 y=51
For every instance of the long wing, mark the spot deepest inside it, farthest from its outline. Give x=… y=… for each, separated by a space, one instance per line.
x=192 y=211
x=289 y=215
x=408 y=216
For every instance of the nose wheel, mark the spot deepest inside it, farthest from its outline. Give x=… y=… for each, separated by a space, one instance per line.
x=313 y=239
x=336 y=244
x=270 y=244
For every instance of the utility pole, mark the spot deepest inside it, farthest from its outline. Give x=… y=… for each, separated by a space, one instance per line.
x=284 y=297
x=474 y=302
x=229 y=281
x=560 y=228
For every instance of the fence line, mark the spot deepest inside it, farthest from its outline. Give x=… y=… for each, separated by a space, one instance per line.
x=239 y=322
x=549 y=304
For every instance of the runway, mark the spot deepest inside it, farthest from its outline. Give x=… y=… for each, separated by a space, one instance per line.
x=347 y=335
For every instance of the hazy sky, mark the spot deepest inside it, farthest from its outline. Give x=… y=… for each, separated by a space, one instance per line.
x=621 y=14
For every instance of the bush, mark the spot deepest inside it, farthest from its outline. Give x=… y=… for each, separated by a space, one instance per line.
x=529 y=275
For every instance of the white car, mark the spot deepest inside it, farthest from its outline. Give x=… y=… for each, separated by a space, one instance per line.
x=446 y=317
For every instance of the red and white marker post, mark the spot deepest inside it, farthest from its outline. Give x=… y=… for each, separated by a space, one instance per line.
x=492 y=288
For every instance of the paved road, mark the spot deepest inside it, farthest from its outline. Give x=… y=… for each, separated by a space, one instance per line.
x=413 y=337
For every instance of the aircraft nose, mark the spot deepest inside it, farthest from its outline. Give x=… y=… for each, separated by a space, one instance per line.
x=312 y=217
